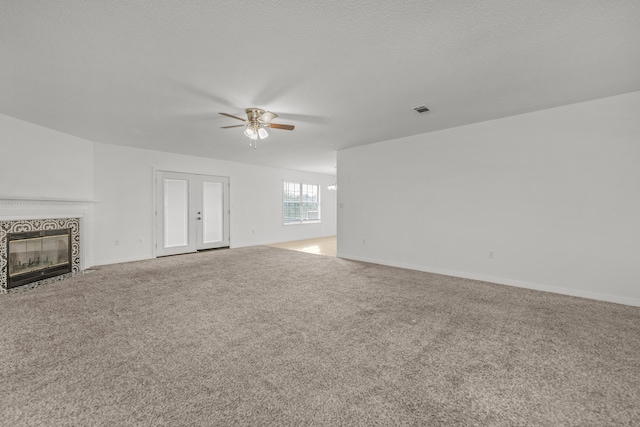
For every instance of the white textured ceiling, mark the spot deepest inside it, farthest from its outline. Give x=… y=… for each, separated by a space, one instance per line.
x=155 y=74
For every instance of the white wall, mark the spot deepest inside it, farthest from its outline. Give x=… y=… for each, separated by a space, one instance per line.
x=124 y=184
x=555 y=195
x=118 y=185
x=36 y=162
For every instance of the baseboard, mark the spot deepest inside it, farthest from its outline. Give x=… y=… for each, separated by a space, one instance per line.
x=118 y=261
x=501 y=281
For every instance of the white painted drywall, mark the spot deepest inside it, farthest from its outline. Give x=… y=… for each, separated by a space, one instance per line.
x=553 y=195
x=36 y=162
x=124 y=184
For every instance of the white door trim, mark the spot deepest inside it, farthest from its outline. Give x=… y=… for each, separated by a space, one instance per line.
x=193 y=214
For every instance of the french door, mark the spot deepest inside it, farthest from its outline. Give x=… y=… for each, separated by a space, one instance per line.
x=192 y=212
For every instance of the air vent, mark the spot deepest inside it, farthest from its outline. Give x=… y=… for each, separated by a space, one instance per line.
x=421 y=109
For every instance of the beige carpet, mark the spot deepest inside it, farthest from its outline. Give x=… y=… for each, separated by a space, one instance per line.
x=264 y=336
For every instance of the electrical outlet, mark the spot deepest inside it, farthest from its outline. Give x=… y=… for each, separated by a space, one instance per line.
x=117 y=242
x=490 y=254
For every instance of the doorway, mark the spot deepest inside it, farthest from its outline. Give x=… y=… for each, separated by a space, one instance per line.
x=192 y=212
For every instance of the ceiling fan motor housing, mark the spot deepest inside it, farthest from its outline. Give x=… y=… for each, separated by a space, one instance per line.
x=253 y=114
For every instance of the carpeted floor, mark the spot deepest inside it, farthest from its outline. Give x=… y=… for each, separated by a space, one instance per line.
x=264 y=336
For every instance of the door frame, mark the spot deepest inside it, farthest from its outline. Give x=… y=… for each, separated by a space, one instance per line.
x=158 y=224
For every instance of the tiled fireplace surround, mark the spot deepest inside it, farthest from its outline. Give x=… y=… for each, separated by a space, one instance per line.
x=22 y=214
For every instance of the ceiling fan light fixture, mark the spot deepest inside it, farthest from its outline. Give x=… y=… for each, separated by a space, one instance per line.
x=256 y=123
x=250 y=133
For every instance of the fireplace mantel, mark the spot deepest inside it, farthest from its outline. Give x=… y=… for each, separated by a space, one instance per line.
x=16 y=208
x=12 y=200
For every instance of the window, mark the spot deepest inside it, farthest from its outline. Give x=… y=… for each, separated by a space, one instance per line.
x=301 y=203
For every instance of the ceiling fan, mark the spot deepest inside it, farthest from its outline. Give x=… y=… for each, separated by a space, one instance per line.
x=256 y=124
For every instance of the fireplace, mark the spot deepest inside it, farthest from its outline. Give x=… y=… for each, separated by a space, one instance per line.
x=38 y=251
x=38 y=255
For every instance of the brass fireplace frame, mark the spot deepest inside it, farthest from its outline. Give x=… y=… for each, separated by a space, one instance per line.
x=40 y=268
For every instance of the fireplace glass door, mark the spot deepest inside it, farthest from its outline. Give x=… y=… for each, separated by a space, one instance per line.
x=36 y=255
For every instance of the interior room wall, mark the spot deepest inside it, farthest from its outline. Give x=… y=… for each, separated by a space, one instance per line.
x=547 y=200
x=124 y=184
x=42 y=163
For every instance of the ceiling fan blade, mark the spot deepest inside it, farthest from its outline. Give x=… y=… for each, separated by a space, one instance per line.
x=267 y=116
x=235 y=126
x=233 y=117
x=278 y=126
